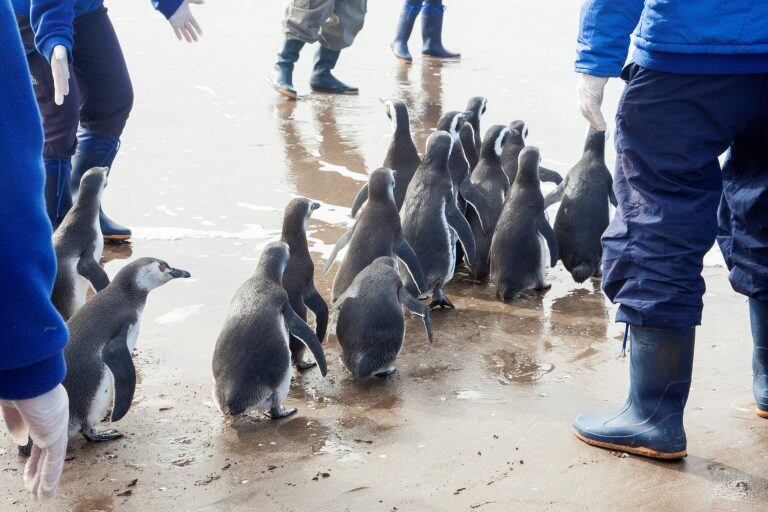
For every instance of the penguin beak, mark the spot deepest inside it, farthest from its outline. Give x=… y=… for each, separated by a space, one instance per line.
x=177 y=273
x=315 y=205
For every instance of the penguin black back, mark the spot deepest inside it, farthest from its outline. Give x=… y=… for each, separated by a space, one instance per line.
x=583 y=214
x=523 y=244
x=509 y=156
x=476 y=107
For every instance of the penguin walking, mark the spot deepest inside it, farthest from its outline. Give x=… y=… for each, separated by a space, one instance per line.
x=371 y=326
x=298 y=278
x=583 y=213
x=432 y=221
x=509 y=155
x=100 y=372
x=377 y=232
x=523 y=244
x=252 y=357
x=78 y=244
x=465 y=194
x=490 y=179
x=402 y=156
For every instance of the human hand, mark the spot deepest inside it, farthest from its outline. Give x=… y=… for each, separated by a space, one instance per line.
x=590 y=93
x=184 y=23
x=45 y=419
x=60 y=72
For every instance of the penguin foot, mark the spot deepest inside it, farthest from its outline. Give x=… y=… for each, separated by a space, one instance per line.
x=385 y=373
x=543 y=287
x=26 y=450
x=105 y=435
x=439 y=300
x=280 y=412
x=303 y=365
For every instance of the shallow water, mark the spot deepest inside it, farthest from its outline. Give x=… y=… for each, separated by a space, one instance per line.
x=478 y=420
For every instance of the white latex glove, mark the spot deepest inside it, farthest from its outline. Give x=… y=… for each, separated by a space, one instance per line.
x=590 y=93
x=45 y=419
x=60 y=72
x=184 y=23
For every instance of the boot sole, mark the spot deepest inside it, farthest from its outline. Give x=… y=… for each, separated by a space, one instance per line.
x=761 y=413
x=117 y=238
x=401 y=59
x=434 y=57
x=348 y=93
x=285 y=92
x=645 y=452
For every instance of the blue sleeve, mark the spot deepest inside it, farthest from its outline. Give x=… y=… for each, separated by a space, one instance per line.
x=32 y=334
x=52 y=22
x=167 y=7
x=604 y=30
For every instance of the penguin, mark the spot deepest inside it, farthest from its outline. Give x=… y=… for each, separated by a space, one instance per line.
x=523 y=244
x=100 y=372
x=252 y=358
x=78 y=245
x=463 y=189
x=370 y=325
x=377 y=232
x=583 y=213
x=476 y=107
x=298 y=278
x=432 y=221
x=493 y=183
x=509 y=155
x=401 y=156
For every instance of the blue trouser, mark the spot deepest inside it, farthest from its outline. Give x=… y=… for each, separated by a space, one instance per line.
x=670 y=130
x=100 y=93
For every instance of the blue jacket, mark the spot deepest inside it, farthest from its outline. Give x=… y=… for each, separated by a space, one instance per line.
x=52 y=20
x=32 y=334
x=677 y=36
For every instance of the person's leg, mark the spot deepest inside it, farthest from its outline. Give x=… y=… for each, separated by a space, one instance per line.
x=432 y=31
x=59 y=124
x=670 y=130
x=107 y=99
x=301 y=25
x=743 y=238
x=338 y=32
x=408 y=15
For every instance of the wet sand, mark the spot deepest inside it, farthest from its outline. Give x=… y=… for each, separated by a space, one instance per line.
x=478 y=420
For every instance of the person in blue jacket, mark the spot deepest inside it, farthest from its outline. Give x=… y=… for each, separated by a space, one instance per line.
x=32 y=333
x=83 y=117
x=431 y=30
x=697 y=87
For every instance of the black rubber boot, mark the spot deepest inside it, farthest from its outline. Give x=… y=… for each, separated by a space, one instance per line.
x=281 y=76
x=432 y=32
x=404 y=28
x=758 y=316
x=322 y=80
x=58 y=199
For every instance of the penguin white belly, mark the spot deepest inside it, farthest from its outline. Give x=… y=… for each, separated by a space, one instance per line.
x=99 y=249
x=453 y=238
x=543 y=257
x=102 y=400
x=81 y=286
x=133 y=334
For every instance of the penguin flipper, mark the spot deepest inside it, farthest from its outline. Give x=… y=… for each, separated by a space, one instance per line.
x=549 y=235
x=89 y=268
x=405 y=253
x=556 y=195
x=118 y=359
x=475 y=198
x=550 y=176
x=299 y=328
x=459 y=224
x=417 y=308
x=315 y=302
x=361 y=198
x=340 y=244
x=611 y=193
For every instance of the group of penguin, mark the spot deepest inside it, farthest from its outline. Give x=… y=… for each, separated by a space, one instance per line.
x=417 y=220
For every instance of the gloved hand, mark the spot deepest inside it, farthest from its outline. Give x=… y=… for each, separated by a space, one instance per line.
x=45 y=419
x=60 y=72
x=590 y=93
x=184 y=23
